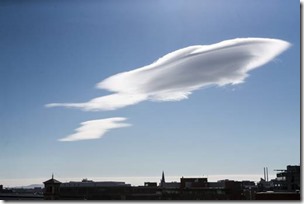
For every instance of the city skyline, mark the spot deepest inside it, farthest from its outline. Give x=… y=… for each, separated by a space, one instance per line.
x=134 y=181
x=57 y=51
x=286 y=186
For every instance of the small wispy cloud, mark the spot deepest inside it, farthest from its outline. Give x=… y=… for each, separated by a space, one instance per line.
x=94 y=129
x=176 y=75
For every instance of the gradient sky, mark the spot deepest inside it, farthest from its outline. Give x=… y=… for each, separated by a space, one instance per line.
x=56 y=51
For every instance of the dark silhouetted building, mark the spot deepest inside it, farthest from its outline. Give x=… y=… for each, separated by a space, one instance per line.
x=20 y=193
x=150 y=184
x=86 y=190
x=286 y=186
x=288 y=180
x=193 y=182
x=51 y=189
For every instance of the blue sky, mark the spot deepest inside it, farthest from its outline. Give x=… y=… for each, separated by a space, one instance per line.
x=57 y=51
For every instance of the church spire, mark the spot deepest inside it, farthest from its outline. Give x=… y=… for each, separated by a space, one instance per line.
x=162 y=181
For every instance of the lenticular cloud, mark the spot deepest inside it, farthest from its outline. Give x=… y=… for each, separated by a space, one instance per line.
x=94 y=129
x=176 y=75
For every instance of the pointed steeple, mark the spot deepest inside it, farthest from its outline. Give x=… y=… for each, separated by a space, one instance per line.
x=162 y=181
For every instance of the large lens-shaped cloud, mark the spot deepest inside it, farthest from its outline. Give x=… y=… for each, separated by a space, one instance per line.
x=176 y=75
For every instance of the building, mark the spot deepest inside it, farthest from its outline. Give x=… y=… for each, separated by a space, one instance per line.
x=51 y=189
x=286 y=185
x=85 y=190
x=20 y=193
x=150 y=184
x=147 y=192
x=90 y=190
x=249 y=189
x=193 y=182
x=288 y=180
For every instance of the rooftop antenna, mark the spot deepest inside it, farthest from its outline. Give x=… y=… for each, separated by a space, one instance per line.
x=52 y=175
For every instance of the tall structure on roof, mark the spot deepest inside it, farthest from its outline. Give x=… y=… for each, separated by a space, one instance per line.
x=51 y=189
x=162 y=181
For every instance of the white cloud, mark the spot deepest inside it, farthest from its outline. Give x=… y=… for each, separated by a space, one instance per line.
x=176 y=75
x=95 y=129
